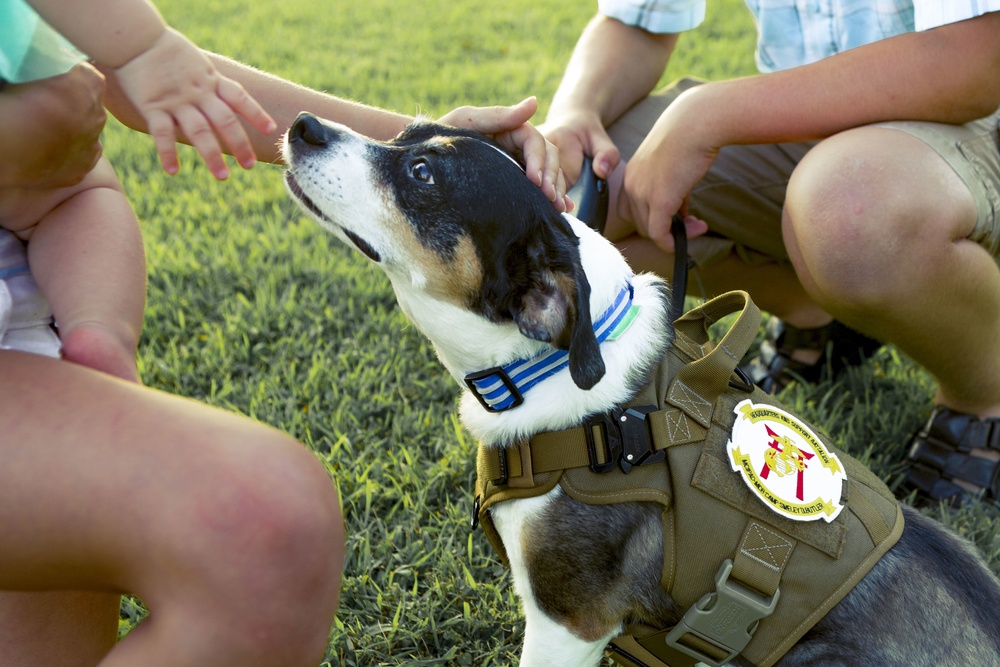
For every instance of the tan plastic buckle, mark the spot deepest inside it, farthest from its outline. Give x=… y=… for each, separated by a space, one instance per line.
x=721 y=624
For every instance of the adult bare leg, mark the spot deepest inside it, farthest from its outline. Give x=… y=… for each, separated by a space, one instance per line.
x=230 y=531
x=75 y=629
x=877 y=226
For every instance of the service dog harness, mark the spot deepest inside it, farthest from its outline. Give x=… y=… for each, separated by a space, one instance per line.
x=765 y=525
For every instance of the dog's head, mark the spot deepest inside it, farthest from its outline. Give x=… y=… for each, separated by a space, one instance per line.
x=446 y=212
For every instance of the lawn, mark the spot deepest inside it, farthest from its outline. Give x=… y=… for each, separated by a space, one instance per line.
x=253 y=309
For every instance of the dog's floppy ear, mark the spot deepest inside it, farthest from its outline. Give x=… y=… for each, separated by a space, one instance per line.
x=556 y=306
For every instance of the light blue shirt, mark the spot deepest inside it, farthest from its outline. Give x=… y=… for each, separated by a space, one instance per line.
x=791 y=33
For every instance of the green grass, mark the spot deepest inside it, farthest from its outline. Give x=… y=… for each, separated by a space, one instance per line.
x=254 y=309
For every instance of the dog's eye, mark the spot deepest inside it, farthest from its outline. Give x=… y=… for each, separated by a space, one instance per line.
x=421 y=171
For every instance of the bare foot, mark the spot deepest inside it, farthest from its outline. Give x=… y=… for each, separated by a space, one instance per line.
x=92 y=345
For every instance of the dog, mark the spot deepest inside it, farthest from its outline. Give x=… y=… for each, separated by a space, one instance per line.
x=486 y=268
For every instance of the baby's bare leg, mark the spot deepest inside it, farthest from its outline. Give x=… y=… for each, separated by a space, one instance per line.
x=87 y=256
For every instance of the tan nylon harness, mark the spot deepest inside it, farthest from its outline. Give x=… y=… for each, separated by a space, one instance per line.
x=754 y=582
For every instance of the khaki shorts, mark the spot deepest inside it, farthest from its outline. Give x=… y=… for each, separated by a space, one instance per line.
x=742 y=195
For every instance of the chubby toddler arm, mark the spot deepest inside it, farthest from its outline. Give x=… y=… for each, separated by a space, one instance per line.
x=284 y=100
x=169 y=80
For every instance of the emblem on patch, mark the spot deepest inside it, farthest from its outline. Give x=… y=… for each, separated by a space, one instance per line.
x=785 y=464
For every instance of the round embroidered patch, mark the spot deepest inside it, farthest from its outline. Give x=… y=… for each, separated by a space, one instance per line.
x=785 y=464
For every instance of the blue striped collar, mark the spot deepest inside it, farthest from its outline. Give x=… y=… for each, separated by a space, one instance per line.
x=503 y=387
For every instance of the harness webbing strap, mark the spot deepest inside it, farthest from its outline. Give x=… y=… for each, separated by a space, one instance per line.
x=761 y=557
x=868 y=514
x=569 y=448
x=548 y=452
x=629 y=651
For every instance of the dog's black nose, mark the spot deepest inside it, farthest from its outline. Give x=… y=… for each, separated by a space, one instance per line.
x=309 y=129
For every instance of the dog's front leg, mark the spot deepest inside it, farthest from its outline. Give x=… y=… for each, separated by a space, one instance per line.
x=546 y=642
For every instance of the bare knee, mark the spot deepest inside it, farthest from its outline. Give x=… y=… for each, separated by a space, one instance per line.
x=264 y=556
x=855 y=213
x=294 y=540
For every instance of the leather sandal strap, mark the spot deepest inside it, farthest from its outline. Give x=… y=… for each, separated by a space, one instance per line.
x=930 y=484
x=954 y=465
x=773 y=367
x=789 y=338
x=941 y=453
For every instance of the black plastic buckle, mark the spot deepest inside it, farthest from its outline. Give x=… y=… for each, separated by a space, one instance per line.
x=496 y=371
x=627 y=440
x=637 y=441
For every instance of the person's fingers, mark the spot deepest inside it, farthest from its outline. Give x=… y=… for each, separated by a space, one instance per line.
x=695 y=226
x=233 y=94
x=509 y=127
x=523 y=111
x=541 y=161
x=528 y=143
x=199 y=132
x=552 y=173
x=230 y=130
x=567 y=204
x=606 y=155
x=661 y=225
x=161 y=128
x=571 y=157
x=511 y=116
x=494 y=119
x=658 y=228
x=650 y=219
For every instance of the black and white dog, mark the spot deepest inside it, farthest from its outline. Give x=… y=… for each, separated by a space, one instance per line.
x=485 y=267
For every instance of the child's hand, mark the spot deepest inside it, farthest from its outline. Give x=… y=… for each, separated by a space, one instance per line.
x=176 y=88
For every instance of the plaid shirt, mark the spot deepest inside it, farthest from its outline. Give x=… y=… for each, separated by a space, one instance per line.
x=797 y=32
x=933 y=14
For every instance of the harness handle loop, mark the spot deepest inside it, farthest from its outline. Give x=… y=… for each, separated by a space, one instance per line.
x=698 y=384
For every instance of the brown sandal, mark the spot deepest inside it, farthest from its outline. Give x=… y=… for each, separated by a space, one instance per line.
x=773 y=368
x=941 y=455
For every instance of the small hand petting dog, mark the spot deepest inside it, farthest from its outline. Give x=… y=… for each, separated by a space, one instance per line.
x=650 y=502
